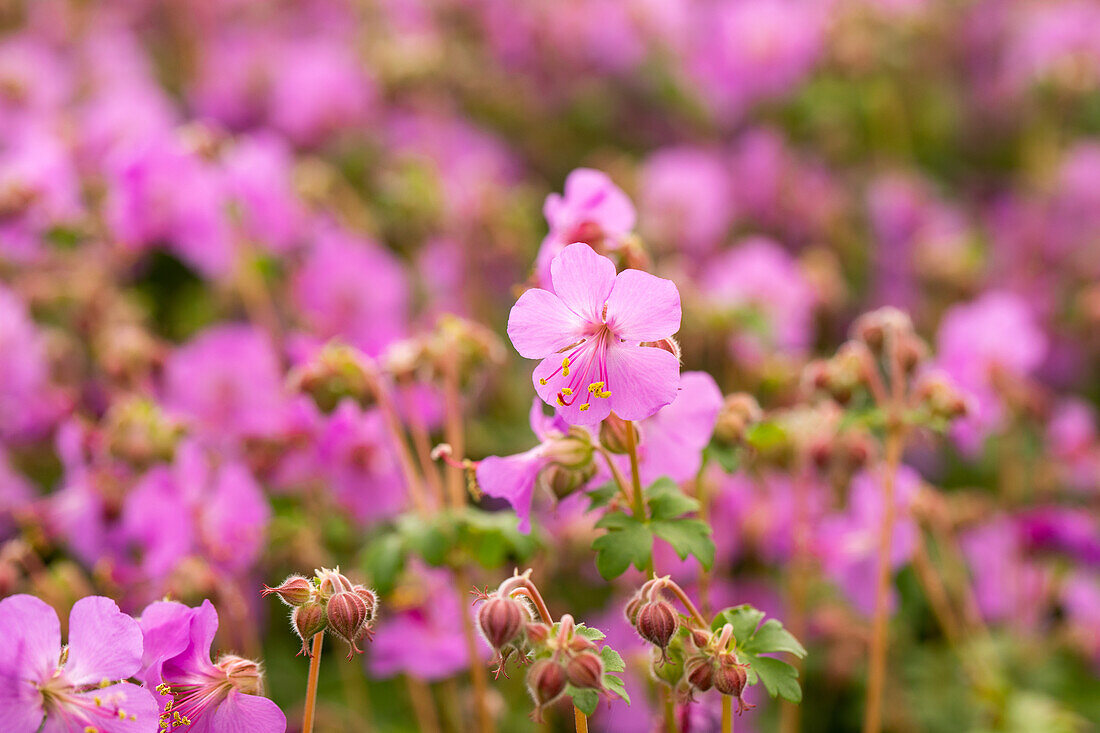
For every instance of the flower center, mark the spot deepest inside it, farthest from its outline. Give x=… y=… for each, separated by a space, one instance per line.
x=62 y=700
x=190 y=701
x=592 y=351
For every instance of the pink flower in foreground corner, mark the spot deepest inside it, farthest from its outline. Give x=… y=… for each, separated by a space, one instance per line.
x=590 y=334
x=198 y=695
x=71 y=687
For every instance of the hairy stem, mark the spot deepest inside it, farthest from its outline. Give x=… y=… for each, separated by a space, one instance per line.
x=635 y=476
x=311 y=683
x=727 y=714
x=580 y=720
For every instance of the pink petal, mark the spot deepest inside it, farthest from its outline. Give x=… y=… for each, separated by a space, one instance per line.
x=512 y=478
x=541 y=324
x=643 y=307
x=240 y=713
x=126 y=697
x=20 y=704
x=673 y=439
x=582 y=373
x=30 y=644
x=196 y=658
x=583 y=280
x=641 y=379
x=594 y=193
x=104 y=643
x=166 y=630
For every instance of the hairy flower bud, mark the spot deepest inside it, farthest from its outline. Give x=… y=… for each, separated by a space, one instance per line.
x=294 y=591
x=585 y=670
x=730 y=676
x=657 y=623
x=500 y=620
x=571 y=451
x=537 y=633
x=699 y=671
x=564 y=481
x=614 y=434
x=336 y=372
x=369 y=598
x=308 y=619
x=546 y=680
x=244 y=674
x=347 y=618
x=333 y=581
x=739 y=411
x=700 y=639
x=633 y=606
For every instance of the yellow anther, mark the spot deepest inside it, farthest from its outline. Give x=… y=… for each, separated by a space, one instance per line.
x=561 y=402
x=121 y=714
x=566 y=391
x=542 y=381
x=584 y=407
x=133 y=717
x=91 y=729
x=104 y=683
x=604 y=394
x=595 y=387
x=97 y=701
x=565 y=367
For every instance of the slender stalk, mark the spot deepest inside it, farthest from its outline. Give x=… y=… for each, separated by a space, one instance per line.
x=727 y=714
x=422 y=443
x=872 y=721
x=580 y=720
x=704 y=499
x=680 y=594
x=400 y=447
x=671 y=726
x=423 y=705
x=453 y=431
x=620 y=481
x=790 y=714
x=635 y=476
x=477 y=671
x=311 y=683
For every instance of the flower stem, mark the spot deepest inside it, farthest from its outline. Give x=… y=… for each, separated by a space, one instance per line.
x=727 y=714
x=635 y=476
x=477 y=671
x=580 y=720
x=453 y=430
x=872 y=721
x=670 y=711
x=311 y=683
x=423 y=705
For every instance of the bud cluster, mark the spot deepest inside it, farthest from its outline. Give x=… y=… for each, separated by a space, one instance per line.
x=336 y=372
x=328 y=602
x=558 y=657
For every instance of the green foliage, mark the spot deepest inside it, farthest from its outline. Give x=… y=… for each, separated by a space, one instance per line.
x=629 y=539
x=753 y=641
x=488 y=538
x=586 y=699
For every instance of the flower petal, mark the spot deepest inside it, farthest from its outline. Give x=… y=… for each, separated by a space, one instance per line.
x=122 y=708
x=240 y=713
x=512 y=478
x=642 y=380
x=673 y=439
x=583 y=280
x=540 y=324
x=643 y=307
x=30 y=645
x=583 y=371
x=166 y=630
x=195 y=659
x=20 y=704
x=104 y=643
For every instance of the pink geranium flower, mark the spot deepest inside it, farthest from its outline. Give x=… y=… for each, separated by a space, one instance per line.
x=64 y=686
x=198 y=695
x=590 y=333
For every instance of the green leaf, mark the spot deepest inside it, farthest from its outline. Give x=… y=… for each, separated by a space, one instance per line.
x=744 y=619
x=667 y=501
x=779 y=678
x=601 y=497
x=383 y=560
x=612 y=661
x=772 y=637
x=615 y=520
x=615 y=684
x=727 y=456
x=627 y=543
x=766 y=436
x=585 y=699
x=585 y=632
x=426 y=538
x=687 y=537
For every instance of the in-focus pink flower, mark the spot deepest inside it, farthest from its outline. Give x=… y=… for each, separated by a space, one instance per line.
x=590 y=333
x=593 y=210
x=211 y=697
x=64 y=687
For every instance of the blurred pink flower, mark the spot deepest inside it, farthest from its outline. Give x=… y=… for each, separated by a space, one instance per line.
x=686 y=199
x=83 y=691
x=588 y=334
x=29 y=404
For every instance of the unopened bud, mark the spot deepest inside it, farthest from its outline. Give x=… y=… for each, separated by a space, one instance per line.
x=334 y=373
x=872 y=328
x=500 y=620
x=564 y=481
x=739 y=411
x=537 y=633
x=700 y=672
x=730 y=677
x=657 y=623
x=585 y=670
x=546 y=680
x=614 y=434
x=308 y=620
x=700 y=639
x=939 y=395
x=333 y=581
x=244 y=674
x=633 y=606
x=347 y=618
x=294 y=591
x=369 y=598
x=572 y=451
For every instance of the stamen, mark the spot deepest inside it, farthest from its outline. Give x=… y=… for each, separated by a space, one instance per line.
x=566 y=391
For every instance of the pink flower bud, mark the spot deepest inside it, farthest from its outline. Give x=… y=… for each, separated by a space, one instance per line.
x=369 y=598
x=347 y=618
x=333 y=581
x=307 y=620
x=585 y=670
x=294 y=591
x=614 y=435
x=537 y=633
x=699 y=671
x=730 y=677
x=546 y=682
x=657 y=623
x=244 y=674
x=500 y=620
